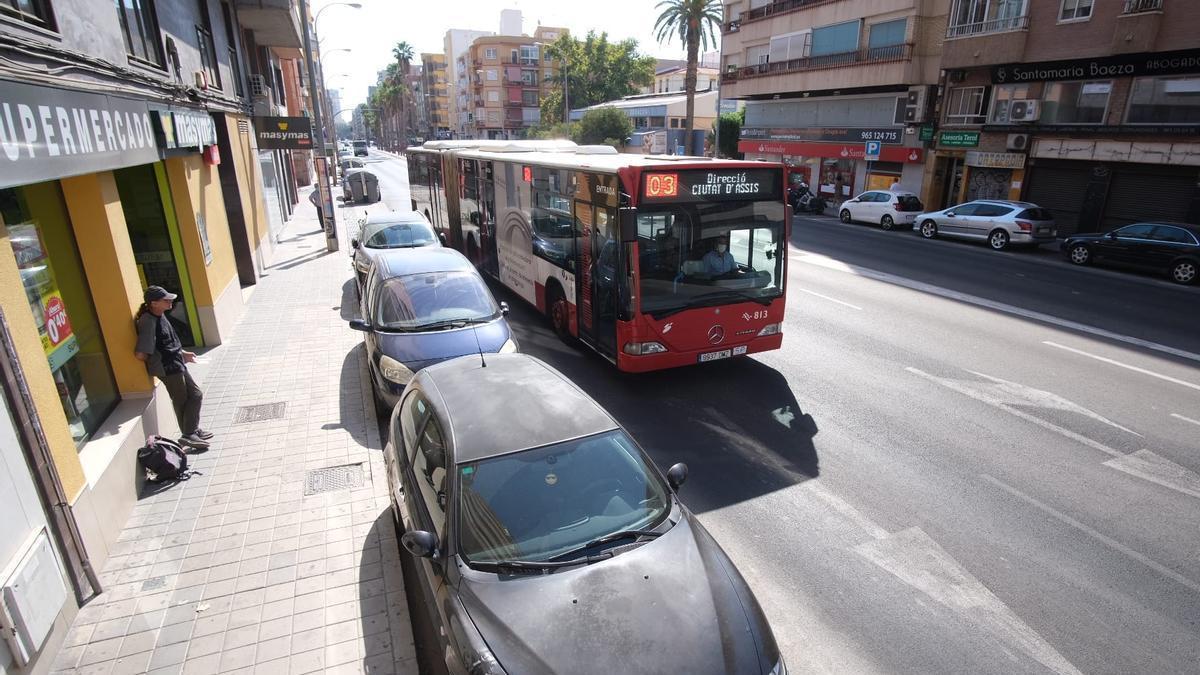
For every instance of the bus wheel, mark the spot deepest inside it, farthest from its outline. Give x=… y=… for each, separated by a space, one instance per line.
x=558 y=311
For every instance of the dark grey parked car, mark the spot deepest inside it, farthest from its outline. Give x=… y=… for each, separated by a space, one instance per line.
x=548 y=542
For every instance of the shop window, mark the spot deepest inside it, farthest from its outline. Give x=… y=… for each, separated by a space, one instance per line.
x=60 y=301
x=1075 y=102
x=1002 y=98
x=1075 y=10
x=836 y=39
x=36 y=12
x=139 y=25
x=1164 y=100
x=966 y=105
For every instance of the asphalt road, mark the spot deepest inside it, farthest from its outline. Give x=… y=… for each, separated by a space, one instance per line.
x=960 y=461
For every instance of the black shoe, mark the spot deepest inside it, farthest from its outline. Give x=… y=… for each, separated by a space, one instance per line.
x=193 y=440
x=205 y=435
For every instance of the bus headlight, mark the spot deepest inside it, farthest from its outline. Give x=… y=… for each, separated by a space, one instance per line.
x=643 y=348
x=394 y=371
x=509 y=347
x=771 y=329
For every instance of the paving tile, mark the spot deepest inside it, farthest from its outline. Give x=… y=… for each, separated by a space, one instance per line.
x=343 y=652
x=138 y=643
x=204 y=645
x=273 y=649
x=240 y=637
x=168 y=655
x=204 y=665
x=111 y=628
x=132 y=664
x=240 y=657
x=100 y=651
x=210 y=624
x=307 y=662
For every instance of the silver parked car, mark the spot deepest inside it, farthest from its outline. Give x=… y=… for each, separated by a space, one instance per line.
x=999 y=222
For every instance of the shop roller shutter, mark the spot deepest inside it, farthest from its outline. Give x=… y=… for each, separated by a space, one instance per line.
x=1062 y=191
x=1151 y=193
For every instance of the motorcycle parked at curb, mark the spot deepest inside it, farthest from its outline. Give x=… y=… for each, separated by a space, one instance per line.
x=803 y=200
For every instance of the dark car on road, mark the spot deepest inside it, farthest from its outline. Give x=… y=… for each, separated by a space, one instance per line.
x=421 y=307
x=546 y=541
x=379 y=232
x=1171 y=248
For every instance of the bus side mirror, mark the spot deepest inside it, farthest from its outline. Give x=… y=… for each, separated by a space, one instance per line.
x=628 y=223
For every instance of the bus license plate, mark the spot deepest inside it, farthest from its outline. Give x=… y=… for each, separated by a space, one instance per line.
x=715 y=356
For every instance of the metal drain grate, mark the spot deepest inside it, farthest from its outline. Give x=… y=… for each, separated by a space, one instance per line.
x=333 y=478
x=260 y=412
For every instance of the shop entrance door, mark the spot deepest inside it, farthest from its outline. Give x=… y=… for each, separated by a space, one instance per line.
x=154 y=233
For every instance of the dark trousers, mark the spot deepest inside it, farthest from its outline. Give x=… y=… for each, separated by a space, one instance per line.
x=186 y=396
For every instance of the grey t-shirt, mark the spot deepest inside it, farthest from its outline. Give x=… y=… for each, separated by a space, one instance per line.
x=157 y=337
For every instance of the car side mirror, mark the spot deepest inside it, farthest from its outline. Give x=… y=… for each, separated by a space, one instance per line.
x=677 y=475
x=1110 y=235
x=359 y=324
x=353 y=243
x=949 y=214
x=420 y=544
x=503 y=308
x=442 y=238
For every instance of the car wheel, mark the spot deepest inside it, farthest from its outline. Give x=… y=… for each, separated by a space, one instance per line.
x=1079 y=255
x=845 y=215
x=558 y=311
x=1183 y=272
x=887 y=223
x=929 y=229
x=998 y=240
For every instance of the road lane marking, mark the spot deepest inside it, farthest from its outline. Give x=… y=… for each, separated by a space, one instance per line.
x=993 y=401
x=826 y=297
x=915 y=558
x=1158 y=469
x=1185 y=419
x=829 y=263
x=1111 y=543
x=1143 y=371
x=1046 y=399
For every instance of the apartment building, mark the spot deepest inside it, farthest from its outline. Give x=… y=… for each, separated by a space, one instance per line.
x=510 y=74
x=1090 y=108
x=673 y=78
x=437 y=95
x=129 y=159
x=459 y=71
x=821 y=78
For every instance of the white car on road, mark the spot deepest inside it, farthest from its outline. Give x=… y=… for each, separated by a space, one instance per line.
x=890 y=208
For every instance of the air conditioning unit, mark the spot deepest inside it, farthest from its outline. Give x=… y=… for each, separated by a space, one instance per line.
x=916 y=105
x=1023 y=110
x=1018 y=141
x=201 y=79
x=258 y=85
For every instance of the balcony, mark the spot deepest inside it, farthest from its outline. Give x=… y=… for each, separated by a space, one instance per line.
x=991 y=26
x=985 y=43
x=274 y=22
x=1139 y=6
x=825 y=61
x=773 y=9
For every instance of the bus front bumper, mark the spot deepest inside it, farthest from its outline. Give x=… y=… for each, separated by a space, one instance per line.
x=675 y=359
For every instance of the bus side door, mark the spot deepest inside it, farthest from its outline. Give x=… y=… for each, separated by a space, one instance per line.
x=597 y=280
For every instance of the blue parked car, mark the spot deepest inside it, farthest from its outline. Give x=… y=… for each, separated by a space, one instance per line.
x=423 y=306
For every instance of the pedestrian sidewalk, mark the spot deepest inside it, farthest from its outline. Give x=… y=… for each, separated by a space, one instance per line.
x=280 y=554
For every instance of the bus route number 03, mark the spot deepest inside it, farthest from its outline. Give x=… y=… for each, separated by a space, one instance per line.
x=662 y=185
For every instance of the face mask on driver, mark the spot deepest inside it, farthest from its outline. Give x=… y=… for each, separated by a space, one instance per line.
x=721 y=248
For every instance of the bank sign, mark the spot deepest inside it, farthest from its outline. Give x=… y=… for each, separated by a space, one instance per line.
x=892 y=136
x=1179 y=62
x=48 y=133
x=283 y=133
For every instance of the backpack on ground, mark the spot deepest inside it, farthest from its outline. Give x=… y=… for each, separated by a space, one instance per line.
x=163 y=458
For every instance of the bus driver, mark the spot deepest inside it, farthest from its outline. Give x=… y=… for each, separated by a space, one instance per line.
x=719 y=261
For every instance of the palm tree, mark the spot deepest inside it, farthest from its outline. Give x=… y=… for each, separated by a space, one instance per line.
x=695 y=22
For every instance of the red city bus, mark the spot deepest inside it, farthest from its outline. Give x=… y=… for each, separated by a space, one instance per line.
x=653 y=261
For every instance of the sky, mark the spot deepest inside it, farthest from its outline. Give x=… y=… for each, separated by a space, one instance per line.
x=371 y=32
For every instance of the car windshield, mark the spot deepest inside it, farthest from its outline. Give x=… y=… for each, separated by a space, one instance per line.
x=681 y=263
x=420 y=301
x=539 y=504
x=399 y=235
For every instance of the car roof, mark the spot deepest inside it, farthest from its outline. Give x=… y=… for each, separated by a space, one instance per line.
x=391 y=217
x=1190 y=227
x=420 y=260
x=516 y=402
x=1007 y=202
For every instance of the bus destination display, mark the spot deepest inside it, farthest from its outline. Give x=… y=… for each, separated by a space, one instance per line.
x=712 y=186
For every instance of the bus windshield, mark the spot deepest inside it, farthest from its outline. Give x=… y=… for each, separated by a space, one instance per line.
x=695 y=255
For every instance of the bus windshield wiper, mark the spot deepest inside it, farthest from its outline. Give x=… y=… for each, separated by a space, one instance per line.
x=622 y=534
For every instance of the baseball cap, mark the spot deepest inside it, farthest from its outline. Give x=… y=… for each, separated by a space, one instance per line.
x=158 y=293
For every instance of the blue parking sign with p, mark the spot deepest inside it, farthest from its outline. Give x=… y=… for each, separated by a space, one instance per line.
x=872 y=150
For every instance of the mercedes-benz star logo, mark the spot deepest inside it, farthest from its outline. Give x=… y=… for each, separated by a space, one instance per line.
x=716 y=335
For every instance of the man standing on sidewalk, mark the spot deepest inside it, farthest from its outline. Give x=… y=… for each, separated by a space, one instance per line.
x=159 y=347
